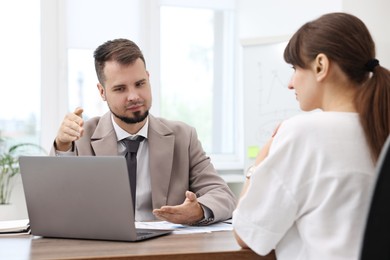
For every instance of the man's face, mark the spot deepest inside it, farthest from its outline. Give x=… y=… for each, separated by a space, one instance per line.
x=127 y=91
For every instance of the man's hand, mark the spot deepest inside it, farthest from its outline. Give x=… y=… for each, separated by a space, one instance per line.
x=188 y=213
x=70 y=130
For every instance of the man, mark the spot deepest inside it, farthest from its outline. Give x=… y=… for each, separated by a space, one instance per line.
x=175 y=179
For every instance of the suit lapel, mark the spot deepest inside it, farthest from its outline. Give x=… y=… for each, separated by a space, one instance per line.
x=104 y=140
x=161 y=148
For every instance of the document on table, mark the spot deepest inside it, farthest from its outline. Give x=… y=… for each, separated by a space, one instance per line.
x=14 y=226
x=184 y=229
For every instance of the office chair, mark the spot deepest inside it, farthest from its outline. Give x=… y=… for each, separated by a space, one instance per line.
x=376 y=240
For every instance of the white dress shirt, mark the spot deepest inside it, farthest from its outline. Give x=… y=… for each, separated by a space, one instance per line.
x=143 y=207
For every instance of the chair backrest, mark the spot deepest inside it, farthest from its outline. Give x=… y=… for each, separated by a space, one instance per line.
x=376 y=240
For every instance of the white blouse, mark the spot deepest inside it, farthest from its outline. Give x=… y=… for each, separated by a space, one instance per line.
x=309 y=198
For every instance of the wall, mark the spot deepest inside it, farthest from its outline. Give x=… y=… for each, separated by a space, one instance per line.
x=375 y=14
x=261 y=18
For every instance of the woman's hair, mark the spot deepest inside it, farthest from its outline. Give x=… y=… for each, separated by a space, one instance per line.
x=123 y=51
x=345 y=40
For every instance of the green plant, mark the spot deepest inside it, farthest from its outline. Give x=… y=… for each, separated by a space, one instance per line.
x=9 y=167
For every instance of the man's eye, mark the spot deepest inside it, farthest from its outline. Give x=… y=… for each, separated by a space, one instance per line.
x=119 y=89
x=140 y=84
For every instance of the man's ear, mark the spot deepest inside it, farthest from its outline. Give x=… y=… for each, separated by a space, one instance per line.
x=321 y=66
x=102 y=91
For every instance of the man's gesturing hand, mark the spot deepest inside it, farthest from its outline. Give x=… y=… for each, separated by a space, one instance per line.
x=189 y=212
x=70 y=130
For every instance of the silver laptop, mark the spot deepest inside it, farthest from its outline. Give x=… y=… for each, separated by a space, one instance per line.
x=84 y=197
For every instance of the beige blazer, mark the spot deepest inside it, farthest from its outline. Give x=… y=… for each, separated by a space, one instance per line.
x=177 y=163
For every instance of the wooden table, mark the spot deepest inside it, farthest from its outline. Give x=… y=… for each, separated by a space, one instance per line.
x=215 y=245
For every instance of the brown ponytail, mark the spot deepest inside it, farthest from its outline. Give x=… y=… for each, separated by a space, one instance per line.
x=373 y=104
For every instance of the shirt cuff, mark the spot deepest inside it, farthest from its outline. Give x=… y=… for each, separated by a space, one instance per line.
x=208 y=217
x=70 y=152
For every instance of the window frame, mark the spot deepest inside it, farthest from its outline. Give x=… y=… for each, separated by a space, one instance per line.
x=227 y=89
x=54 y=90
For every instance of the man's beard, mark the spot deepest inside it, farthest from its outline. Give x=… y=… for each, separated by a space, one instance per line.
x=138 y=117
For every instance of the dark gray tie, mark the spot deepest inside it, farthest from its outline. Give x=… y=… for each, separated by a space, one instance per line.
x=131 y=158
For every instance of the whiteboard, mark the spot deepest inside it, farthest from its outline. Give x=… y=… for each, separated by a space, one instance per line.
x=267 y=99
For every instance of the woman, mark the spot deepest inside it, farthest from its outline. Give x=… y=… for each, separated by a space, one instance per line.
x=309 y=193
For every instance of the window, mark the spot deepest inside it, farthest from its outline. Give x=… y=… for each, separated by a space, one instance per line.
x=82 y=81
x=20 y=70
x=197 y=75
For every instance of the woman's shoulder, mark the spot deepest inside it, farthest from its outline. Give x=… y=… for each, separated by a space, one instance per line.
x=322 y=119
x=311 y=125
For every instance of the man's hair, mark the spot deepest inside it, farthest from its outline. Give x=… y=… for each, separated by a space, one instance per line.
x=123 y=51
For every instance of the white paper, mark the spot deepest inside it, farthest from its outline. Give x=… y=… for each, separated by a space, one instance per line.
x=184 y=229
x=8 y=226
